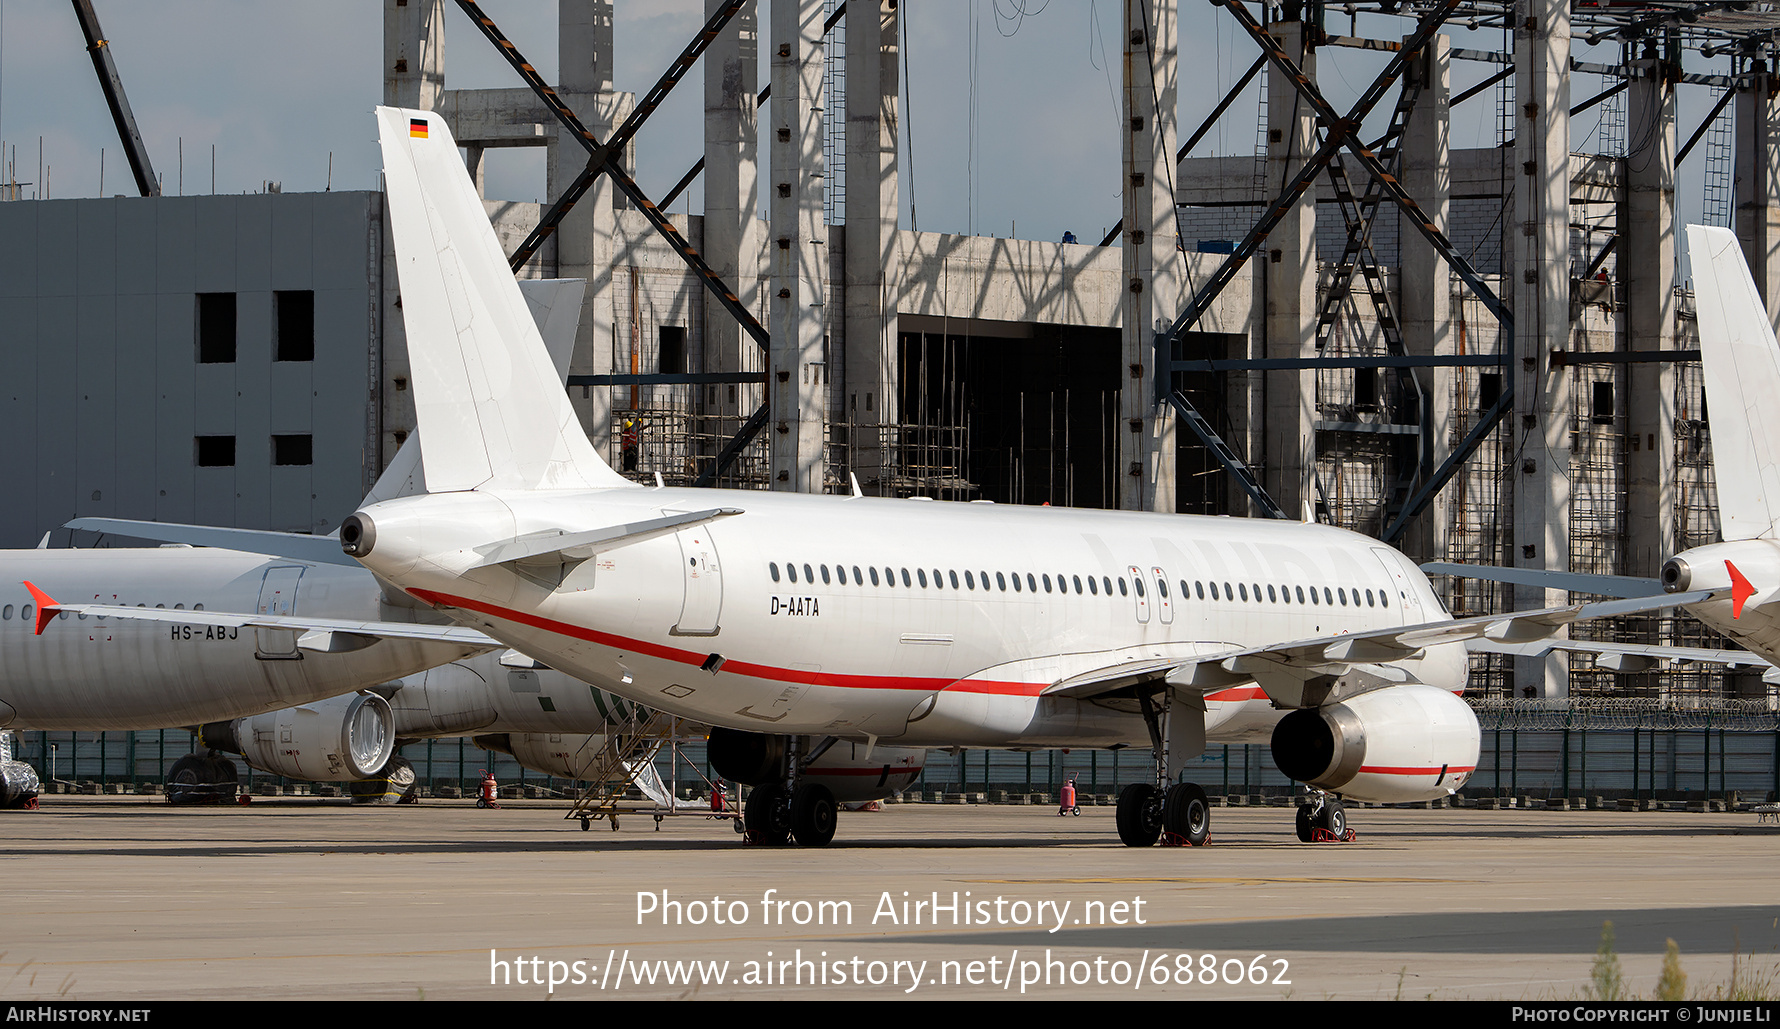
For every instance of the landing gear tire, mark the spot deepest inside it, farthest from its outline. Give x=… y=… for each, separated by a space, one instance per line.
x=196 y=779
x=1139 y=817
x=1186 y=813
x=1304 y=823
x=765 y=816
x=813 y=813
x=1332 y=818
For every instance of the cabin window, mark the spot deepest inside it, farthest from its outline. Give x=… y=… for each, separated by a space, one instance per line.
x=1328 y=596
x=922 y=572
x=906 y=581
x=1047 y=583
x=25 y=613
x=970 y=579
x=1093 y=586
x=1341 y=595
x=1369 y=598
x=874 y=575
x=1137 y=583
x=1016 y=578
x=1271 y=599
x=1301 y=594
x=808 y=575
x=1106 y=584
x=1199 y=588
x=773 y=567
x=1257 y=593
x=889 y=576
x=1000 y=581
x=1078 y=584
x=1031 y=583
x=1162 y=588
x=1243 y=587
x=858 y=579
x=953 y=575
x=791 y=570
x=1384 y=599
x=939 y=581
x=7 y=614
x=1124 y=591
x=825 y=579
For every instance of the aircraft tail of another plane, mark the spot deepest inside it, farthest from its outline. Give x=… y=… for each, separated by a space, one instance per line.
x=490 y=406
x=1742 y=368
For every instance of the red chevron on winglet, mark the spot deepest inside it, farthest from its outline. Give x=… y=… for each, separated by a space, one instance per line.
x=46 y=606
x=1741 y=590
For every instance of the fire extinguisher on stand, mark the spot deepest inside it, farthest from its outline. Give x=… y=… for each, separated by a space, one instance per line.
x=489 y=786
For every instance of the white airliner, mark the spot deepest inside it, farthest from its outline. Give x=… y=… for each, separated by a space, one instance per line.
x=796 y=621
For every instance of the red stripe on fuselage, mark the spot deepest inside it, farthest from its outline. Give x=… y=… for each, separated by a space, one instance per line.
x=1391 y=770
x=746 y=668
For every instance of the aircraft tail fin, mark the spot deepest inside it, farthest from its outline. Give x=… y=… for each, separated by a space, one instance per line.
x=1742 y=369
x=489 y=404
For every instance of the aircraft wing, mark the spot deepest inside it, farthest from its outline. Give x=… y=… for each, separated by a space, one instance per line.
x=1629 y=657
x=324 y=635
x=1302 y=673
x=1575 y=582
x=295 y=546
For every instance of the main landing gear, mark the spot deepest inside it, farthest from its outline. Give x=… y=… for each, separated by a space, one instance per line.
x=1178 y=814
x=782 y=810
x=1323 y=820
x=202 y=779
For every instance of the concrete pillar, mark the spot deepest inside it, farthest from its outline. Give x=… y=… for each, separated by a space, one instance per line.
x=586 y=239
x=872 y=268
x=1152 y=263
x=1758 y=183
x=1288 y=284
x=1426 y=280
x=732 y=196
x=1646 y=252
x=413 y=53
x=1541 y=285
x=797 y=372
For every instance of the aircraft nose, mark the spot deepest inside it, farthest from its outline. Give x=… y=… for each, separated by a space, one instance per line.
x=358 y=533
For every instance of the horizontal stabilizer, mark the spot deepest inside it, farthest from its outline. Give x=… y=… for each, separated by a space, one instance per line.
x=1575 y=582
x=579 y=546
x=295 y=546
x=1624 y=657
x=328 y=635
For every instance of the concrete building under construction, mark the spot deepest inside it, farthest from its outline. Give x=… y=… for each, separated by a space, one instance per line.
x=1477 y=355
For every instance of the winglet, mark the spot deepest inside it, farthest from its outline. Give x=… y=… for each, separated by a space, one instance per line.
x=1741 y=590
x=46 y=606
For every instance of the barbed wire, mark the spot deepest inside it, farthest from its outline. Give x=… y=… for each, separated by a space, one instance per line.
x=1757 y=715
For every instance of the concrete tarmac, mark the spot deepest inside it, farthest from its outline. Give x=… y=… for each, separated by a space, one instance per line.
x=126 y=899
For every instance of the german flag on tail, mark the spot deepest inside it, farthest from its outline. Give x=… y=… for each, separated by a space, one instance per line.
x=417 y=128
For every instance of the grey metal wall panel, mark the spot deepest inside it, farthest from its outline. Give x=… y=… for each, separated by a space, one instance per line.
x=253 y=416
x=293 y=253
x=289 y=504
x=176 y=243
x=95 y=254
x=56 y=400
x=19 y=254
x=253 y=241
x=213 y=496
x=338 y=407
x=18 y=414
x=95 y=411
x=135 y=246
x=137 y=402
x=175 y=413
x=337 y=235
x=293 y=386
x=213 y=398
x=55 y=248
x=213 y=260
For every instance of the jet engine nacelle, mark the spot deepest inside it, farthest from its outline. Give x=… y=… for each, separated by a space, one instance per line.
x=852 y=774
x=1390 y=746
x=569 y=755
x=341 y=739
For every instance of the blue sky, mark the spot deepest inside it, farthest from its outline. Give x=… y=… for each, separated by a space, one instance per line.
x=278 y=87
